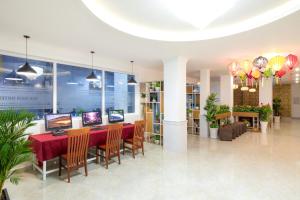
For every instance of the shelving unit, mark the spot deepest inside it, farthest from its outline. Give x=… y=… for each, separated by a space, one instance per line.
x=153 y=109
x=193 y=106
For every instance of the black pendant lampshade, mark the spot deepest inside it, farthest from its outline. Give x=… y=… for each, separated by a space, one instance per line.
x=26 y=69
x=13 y=76
x=92 y=76
x=131 y=80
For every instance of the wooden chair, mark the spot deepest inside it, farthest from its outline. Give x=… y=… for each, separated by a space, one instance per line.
x=137 y=141
x=76 y=157
x=112 y=146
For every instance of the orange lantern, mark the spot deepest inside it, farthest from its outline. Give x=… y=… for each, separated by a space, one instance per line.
x=255 y=73
x=277 y=63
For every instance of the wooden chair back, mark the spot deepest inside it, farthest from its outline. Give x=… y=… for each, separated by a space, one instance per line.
x=78 y=141
x=113 y=139
x=139 y=130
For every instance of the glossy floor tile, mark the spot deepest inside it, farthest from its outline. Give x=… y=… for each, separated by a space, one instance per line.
x=254 y=166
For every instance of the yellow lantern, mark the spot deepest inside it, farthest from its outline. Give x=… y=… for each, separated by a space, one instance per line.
x=247 y=66
x=277 y=62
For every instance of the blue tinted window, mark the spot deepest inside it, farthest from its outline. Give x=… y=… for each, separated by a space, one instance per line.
x=74 y=93
x=118 y=94
x=32 y=93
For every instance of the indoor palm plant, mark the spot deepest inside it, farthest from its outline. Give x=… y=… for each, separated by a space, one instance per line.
x=276 y=108
x=14 y=146
x=264 y=114
x=211 y=111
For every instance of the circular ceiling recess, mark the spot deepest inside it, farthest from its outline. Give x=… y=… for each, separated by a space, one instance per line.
x=189 y=20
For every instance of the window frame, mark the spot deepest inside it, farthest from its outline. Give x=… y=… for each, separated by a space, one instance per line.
x=55 y=62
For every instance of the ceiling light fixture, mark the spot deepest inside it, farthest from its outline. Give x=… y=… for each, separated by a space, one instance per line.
x=13 y=76
x=26 y=69
x=131 y=80
x=92 y=76
x=244 y=88
x=199 y=13
x=252 y=90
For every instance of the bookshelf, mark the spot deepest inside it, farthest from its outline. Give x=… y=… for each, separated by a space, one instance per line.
x=193 y=106
x=152 y=100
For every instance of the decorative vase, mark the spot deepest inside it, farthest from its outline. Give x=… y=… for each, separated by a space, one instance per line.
x=277 y=119
x=213 y=133
x=4 y=195
x=264 y=127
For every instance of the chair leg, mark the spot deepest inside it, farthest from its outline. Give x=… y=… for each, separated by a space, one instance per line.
x=68 y=175
x=97 y=155
x=59 y=171
x=143 y=148
x=85 y=168
x=119 y=157
x=106 y=159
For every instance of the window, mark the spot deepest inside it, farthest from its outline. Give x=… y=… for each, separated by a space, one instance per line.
x=74 y=93
x=26 y=93
x=118 y=94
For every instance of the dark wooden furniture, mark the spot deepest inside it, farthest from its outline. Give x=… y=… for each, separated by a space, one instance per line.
x=253 y=115
x=137 y=142
x=112 y=145
x=76 y=157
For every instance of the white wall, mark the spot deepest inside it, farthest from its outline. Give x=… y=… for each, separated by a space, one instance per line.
x=295 y=100
x=215 y=87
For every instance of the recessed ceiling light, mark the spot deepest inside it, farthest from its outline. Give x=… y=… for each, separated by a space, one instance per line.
x=297 y=69
x=297 y=75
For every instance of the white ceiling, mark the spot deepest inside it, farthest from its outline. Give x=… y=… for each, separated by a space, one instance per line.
x=69 y=23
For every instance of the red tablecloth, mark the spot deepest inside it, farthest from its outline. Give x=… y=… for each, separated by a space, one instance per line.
x=46 y=146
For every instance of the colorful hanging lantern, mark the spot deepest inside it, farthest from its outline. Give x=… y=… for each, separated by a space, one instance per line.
x=261 y=63
x=268 y=72
x=247 y=66
x=255 y=73
x=233 y=68
x=281 y=73
x=277 y=63
x=291 y=61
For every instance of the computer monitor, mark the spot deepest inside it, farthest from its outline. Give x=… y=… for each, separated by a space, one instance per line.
x=58 y=121
x=115 y=116
x=91 y=118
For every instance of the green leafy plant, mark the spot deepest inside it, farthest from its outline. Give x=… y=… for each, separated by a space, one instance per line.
x=276 y=106
x=223 y=109
x=143 y=95
x=157 y=84
x=14 y=146
x=265 y=112
x=246 y=108
x=211 y=110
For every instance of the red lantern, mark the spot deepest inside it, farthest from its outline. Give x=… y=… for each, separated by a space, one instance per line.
x=291 y=61
x=280 y=73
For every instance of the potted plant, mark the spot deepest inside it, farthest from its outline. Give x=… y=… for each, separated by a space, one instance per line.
x=264 y=114
x=143 y=97
x=14 y=146
x=211 y=111
x=189 y=112
x=157 y=86
x=157 y=117
x=276 y=108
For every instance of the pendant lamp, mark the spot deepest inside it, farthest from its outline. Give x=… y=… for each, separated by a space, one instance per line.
x=131 y=80
x=92 y=76
x=26 y=69
x=13 y=76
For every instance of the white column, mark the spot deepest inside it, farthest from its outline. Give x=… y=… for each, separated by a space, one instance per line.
x=54 y=97
x=266 y=91
x=175 y=125
x=204 y=93
x=226 y=90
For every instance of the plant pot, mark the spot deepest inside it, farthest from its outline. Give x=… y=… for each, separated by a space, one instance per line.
x=277 y=119
x=4 y=195
x=264 y=127
x=213 y=133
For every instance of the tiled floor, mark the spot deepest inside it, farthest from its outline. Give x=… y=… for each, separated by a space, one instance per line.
x=254 y=167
